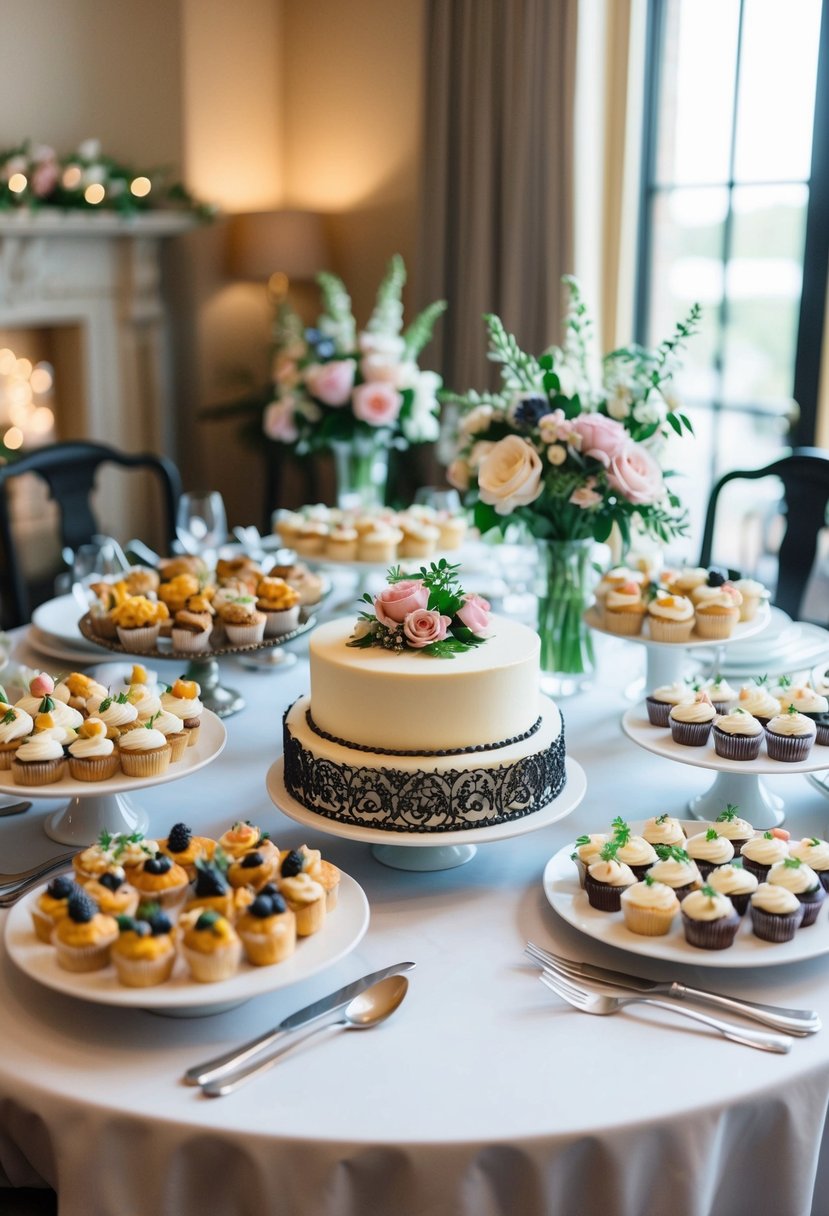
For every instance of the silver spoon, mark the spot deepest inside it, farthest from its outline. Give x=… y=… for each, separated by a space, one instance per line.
x=368 y=1009
x=14 y=808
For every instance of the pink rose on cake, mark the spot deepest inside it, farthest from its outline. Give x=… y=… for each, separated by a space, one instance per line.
x=425 y=626
x=394 y=603
x=475 y=614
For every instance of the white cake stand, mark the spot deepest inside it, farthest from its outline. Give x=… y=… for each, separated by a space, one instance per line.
x=737 y=781
x=97 y=806
x=429 y=850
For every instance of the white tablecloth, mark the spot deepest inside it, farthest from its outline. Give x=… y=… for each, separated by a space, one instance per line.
x=482 y=1095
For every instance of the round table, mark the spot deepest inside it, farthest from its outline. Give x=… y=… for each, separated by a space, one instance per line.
x=482 y=1095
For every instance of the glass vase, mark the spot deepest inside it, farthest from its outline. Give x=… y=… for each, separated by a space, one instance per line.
x=564 y=592
x=361 y=466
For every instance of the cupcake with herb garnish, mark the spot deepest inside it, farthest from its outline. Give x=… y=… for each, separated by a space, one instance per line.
x=756 y=700
x=243 y=623
x=161 y=880
x=729 y=824
x=676 y=869
x=112 y=893
x=649 y=907
x=186 y=849
x=709 y=849
x=670 y=617
x=762 y=852
x=50 y=906
x=15 y=725
x=811 y=704
x=814 y=852
x=633 y=851
x=789 y=736
x=173 y=730
x=143 y=953
x=661 y=701
x=691 y=721
x=723 y=695
x=606 y=879
x=801 y=879
x=92 y=755
x=211 y=948
x=131 y=849
x=39 y=760
x=144 y=752
x=117 y=713
x=268 y=930
x=735 y=881
x=737 y=735
x=95 y=859
x=182 y=699
x=665 y=830
x=83 y=937
x=586 y=850
x=709 y=919
x=146 y=699
x=776 y=913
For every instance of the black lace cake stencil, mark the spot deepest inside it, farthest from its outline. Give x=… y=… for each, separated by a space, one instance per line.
x=452 y=751
x=448 y=801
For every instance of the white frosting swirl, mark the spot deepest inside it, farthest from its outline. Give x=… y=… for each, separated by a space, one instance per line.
x=588 y=853
x=749 y=587
x=116 y=714
x=637 y=852
x=720 y=690
x=42 y=746
x=168 y=724
x=718 y=850
x=690 y=577
x=20 y=726
x=732 y=880
x=799 y=879
x=734 y=829
x=671 y=608
x=612 y=873
x=693 y=711
x=182 y=707
x=141 y=740
x=672 y=694
x=722 y=598
x=700 y=906
x=86 y=747
x=674 y=873
x=792 y=725
x=146 y=701
x=771 y=897
x=758 y=701
x=618 y=600
x=805 y=701
x=739 y=722
x=656 y=895
x=814 y=854
x=301 y=889
x=663 y=829
x=765 y=850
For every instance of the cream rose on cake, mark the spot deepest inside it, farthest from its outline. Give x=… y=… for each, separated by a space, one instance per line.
x=432 y=614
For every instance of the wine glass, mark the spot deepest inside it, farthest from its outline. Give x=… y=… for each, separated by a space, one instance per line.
x=201 y=522
x=440 y=498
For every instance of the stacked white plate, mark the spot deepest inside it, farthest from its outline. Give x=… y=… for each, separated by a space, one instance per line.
x=783 y=647
x=54 y=632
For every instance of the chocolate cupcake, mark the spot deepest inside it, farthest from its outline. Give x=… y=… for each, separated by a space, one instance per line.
x=586 y=851
x=606 y=879
x=709 y=919
x=661 y=701
x=776 y=914
x=664 y=830
x=722 y=695
x=633 y=851
x=761 y=853
x=729 y=824
x=709 y=850
x=802 y=881
x=789 y=736
x=735 y=881
x=738 y=736
x=691 y=721
x=676 y=869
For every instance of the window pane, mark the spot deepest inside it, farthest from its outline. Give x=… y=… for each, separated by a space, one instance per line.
x=763 y=282
x=777 y=90
x=697 y=90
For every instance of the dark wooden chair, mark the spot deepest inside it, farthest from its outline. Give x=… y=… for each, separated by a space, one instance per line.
x=805 y=477
x=70 y=470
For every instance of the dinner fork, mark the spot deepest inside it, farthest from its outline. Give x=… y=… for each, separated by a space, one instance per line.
x=37 y=871
x=602 y=1004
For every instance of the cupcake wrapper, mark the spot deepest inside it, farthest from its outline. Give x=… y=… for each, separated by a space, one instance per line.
x=788 y=748
x=210 y=968
x=657 y=711
x=822 y=736
x=690 y=734
x=772 y=928
x=192 y=735
x=277 y=623
x=143 y=972
x=740 y=902
x=625 y=624
x=718 y=626
x=93 y=768
x=670 y=631
x=178 y=745
x=648 y=922
x=711 y=934
x=165 y=897
x=138 y=641
x=7 y=755
x=38 y=772
x=722 y=707
x=760 y=872
x=265 y=949
x=823 y=875
x=146 y=764
x=603 y=897
x=705 y=868
x=811 y=902
x=245 y=635
x=82 y=958
x=43 y=925
x=183 y=639
x=737 y=747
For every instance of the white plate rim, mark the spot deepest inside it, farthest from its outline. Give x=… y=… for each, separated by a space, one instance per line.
x=567 y=899
x=53 y=648
x=210 y=744
x=67 y=631
x=36 y=959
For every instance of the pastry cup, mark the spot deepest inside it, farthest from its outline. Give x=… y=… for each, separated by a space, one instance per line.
x=38 y=772
x=165 y=897
x=759 y=871
x=772 y=927
x=148 y=763
x=246 y=635
x=138 y=641
x=192 y=734
x=218 y=965
x=624 y=624
x=788 y=748
x=273 y=946
x=716 y=625
x=821 y=722
x=7 y=751
x=178 y=745
x=690 y=734
x=43 y=923
x=662 y=630
x=283 y=621
x=310 y=917
x=93 y=768
x=740 y=901
x=711 y=934
x=193 y=643
x=143 y=972
x=737 y=747
x=602 y=896
x=811 y=902
x=91 y=957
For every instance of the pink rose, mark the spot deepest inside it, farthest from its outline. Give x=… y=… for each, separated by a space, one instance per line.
x=424 y=626
x=331 y=383
x=586 y=496
x=376 y=403
x=44 y=178
x=42 y=685
x=278 y=421
x=393 y=604
x=601 y=438
x=475 y=614
x=634 y=473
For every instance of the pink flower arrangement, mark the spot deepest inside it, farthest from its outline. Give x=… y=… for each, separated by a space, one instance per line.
x=431 y=613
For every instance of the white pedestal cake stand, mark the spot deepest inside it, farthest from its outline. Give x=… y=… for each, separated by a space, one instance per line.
x=737 y=781
x=429 y=850
x=96 y=806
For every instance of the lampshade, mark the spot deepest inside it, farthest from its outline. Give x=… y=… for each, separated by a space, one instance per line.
x=264 y=243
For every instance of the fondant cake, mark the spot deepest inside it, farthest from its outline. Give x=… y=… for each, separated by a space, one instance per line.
x=405 y=741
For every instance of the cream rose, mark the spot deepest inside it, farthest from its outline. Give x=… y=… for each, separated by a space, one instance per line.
x=509 y=476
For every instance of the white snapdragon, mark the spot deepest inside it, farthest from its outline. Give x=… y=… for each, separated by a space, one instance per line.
x=421 y=425
x=647 y=412
x=618 y=405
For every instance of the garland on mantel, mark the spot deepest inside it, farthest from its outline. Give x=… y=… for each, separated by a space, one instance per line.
x=34 y=176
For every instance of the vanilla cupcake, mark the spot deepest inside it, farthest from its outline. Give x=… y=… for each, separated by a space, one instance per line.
x=814 y=852
x=83 y=937
x=117 y=713
x=801 y=879
x=186 y=849
x=191 y=631
x=173 y=730
x=39 y=761
x=244 y=624
x=756 y=700
x=738 y=736
x=41 y=686
x=306 y=899
x=242 y=837
x=92 y=756
x=708 y=849
x=762 y=852
x=341 y=544
x=420 y=539
x=379 y=545
x=613 y=579
x=138 y=620
x=649 y=907
x=183 y=701
x=253 y=869
x=670 y=618
x=753 y=593
x=688 y=578
x=718 y=613
x=160 y=880
x=113 y=894
x=789 y=736
x=15 y=726
x=664 y=830
x=691 y=721
x=776 y=913
x=280 y=604
x=709 y=919
x=267 y=930
x=636 y=852
x=661 y=701
x=310 y=540
x=143 y=953
x=624 y=610
x=452 y=530
x=76 y=689
x=144 y=752
x=211 y=948
x=735 y=881
x=50 y=906
x=310 y=861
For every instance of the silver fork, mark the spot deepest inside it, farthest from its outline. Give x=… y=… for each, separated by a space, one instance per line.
x=602 y=1004
x=37 y=871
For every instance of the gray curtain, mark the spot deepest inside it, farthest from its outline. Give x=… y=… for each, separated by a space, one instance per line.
x=497 y=215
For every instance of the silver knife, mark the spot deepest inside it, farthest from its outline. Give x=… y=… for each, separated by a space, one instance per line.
x=200 y=1074
x=793 y=1021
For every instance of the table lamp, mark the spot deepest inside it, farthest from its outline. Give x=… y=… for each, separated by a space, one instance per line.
x=276 y=247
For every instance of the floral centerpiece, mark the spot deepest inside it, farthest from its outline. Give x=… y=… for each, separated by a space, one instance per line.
x=570 y=450
x=358 y=394
x=430 y=613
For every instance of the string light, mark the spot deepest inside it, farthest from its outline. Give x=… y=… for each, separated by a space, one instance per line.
x=94 y=193
x=18 y=183
x=140 y=187
x=13 y=438
x=24 y=415
x=71 y=177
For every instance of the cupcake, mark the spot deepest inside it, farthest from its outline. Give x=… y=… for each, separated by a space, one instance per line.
x=238 y=569
x=815 y=853
x=191 y=631
x=664 y=830
x=718 y=613
x=306 y=899
x=341 y=544
x=676 y=869
x=138 y=621
x=113 y=894
x=308 y=586
x=756 y=700
x=708 y=849
x=753 y=593
x=688 y=578
x=776 y=913
x=39 y=761
x=310 y=861
x=50 y=906
x=812 y=705
x=173 y=730
x=268 y=930
x=761 y=853
x=244 y=624
x=41 y=686
x=649 y=907
x=143 y=953
x=735 y=881
x=310 y=540
x=379 y=545
x=586 y=851
x=709 y=919
x=144 y=752
x=737 y=736
x=606 y=879
x=83 y=937
x=797 y=877
x=131 y=850
x=280 y=604
x=242 y=838
x=612 y=580
x=633 y=851
x=661 y=701
x=670 y=617
x=141 y=580
x=691 y=721
x=722 y=695
x=183 y=701
x=453 y=529
x=789 y=736
x=729 y=824
x=212 y=891
x=96 y=859
x=420 y=539
x=176 y=591
x=624 y=610
x=160 y=880
x=211 y=948
x=92 y=756
x=15 y=726
x=116 y=712
x=186 y=849
x=76 y=689
x=252 y=869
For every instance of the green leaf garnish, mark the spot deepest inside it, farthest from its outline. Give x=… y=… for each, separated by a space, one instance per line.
x=662 y=818
x=712 y=834
x=621 y=831
x=609 y=850
x=728 y=814
x=792 y=863
x=709 y=892
x=582 y=840
x=649 y=880
x=768 y=836
x=9 y=716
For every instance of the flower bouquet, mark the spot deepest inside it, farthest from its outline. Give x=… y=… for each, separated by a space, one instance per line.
x=569 y=452
x=358 y=394
x=430 y=613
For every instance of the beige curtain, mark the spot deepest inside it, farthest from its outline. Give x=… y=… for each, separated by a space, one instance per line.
x=497 y=213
